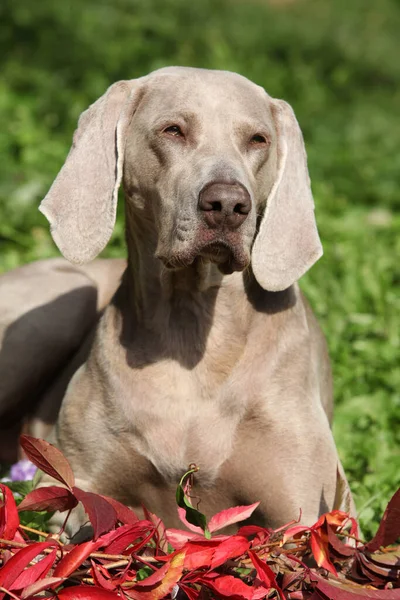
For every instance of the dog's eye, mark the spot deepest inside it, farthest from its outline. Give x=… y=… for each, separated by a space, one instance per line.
x=174 y=130
x=258 y=139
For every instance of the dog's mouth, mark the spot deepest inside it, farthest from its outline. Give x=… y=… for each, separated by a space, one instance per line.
x=216 y=252
x=227 y=257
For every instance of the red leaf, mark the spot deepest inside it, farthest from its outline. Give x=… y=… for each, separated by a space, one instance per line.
x=265 y=573
x=139 y=544
x=291 y=577
x=102 y=581
x=35 y=572
x=178 y=538
x=154 y=578
x=337 y=518
x=124 y=514
x=201 y=552
x=160 y=530
x=182 y=517
x=191 y=593
x=320 y=550
x=49 y=498
x=86 y=592
x=109 y=537
x=228 y=586
x=126 y=535
x=230 y=516
x=235 y=546
x=353 y=592
x=75 y=558
x=389 y=560
x=21 y=559
x=48 y=458
x=293 y=531
x=9 y=519
x=341 y=549
x=101 y=514
x=248 y=530
x=198 y=555
x=170 y=578
x=40 y=586
x=389 y=528
x=376 y=575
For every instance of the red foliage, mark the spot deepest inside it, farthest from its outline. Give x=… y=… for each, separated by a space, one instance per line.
x=50 y=499
x=9 y=519
x=389 y=529
x=49 y=459
x=129 y=558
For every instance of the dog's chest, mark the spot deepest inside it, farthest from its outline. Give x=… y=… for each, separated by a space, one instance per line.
x=175 y=416
x=178 y=398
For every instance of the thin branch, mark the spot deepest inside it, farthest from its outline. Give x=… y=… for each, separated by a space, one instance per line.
x=9 y=593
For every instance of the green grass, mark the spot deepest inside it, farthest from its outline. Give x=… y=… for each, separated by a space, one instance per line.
x=335 y=62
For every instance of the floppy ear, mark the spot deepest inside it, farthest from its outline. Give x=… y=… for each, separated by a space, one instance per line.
x=287 y=243
x=81 y=204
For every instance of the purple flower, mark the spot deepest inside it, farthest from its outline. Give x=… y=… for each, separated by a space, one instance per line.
x=23 y=470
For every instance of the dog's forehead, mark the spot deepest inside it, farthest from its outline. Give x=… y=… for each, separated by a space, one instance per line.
x=183 y=88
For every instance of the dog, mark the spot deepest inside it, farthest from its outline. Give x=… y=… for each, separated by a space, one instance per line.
x=207 y=353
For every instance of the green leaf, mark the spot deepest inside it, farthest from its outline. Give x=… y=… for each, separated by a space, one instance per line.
x=193 y=516
x=144 y=573
x=22 y=488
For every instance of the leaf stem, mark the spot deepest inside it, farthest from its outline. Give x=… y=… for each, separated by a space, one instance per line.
x=35 y=531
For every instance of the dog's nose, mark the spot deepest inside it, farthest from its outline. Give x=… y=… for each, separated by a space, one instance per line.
x=224 y=204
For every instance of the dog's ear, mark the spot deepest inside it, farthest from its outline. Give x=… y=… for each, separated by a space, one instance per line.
x=81 y=204
x=287 y=243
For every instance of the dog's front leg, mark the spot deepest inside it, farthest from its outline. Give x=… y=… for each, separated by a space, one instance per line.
x=290 y=466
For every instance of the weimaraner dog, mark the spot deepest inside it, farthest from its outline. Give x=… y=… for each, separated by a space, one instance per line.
x=207 y=352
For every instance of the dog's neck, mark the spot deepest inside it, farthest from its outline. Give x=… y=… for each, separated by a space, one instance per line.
x=170 y=314
x=176 y=309
x=155 y=293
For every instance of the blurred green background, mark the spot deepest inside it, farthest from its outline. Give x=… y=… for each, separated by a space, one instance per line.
x=337 y=63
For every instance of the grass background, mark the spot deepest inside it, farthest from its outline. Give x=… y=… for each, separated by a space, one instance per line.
x=337 y=63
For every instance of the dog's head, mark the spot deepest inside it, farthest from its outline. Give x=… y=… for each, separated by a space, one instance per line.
x=216 y=164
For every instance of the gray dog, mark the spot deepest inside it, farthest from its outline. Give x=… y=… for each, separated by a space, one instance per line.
x=207 y=353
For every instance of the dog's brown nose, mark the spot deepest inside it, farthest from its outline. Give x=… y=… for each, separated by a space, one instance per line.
x=224 y=205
